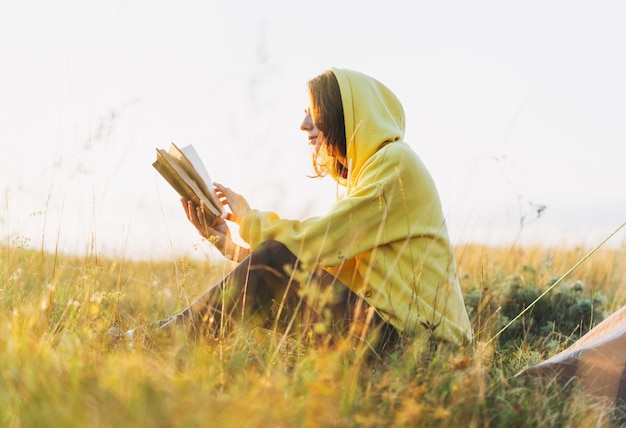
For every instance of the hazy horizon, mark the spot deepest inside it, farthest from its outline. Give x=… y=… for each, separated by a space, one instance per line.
x=512 y=108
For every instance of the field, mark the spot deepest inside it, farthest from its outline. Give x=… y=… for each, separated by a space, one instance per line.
x=60 y=367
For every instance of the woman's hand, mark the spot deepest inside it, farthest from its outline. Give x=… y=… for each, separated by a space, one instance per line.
x=196 y=215
x=237 y=203
x=219 y=233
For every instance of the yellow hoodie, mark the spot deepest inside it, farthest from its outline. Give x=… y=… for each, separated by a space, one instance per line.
x=386 y=239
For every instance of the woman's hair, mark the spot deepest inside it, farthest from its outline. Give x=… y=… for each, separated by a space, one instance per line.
x=327 y=113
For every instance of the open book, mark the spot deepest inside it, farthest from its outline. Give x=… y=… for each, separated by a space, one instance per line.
x=184 y=171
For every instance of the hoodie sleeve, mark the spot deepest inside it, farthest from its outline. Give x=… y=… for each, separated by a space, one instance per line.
x=326 y=240
x=352 y=226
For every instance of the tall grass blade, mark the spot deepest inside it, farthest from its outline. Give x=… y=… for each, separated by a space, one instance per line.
x=557 y=282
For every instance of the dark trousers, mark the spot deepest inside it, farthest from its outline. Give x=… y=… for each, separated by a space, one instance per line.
x=268 y=289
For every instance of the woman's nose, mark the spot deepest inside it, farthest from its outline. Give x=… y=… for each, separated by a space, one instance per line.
x=307 y=123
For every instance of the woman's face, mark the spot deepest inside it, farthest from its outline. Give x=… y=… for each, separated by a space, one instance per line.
x=308 y=126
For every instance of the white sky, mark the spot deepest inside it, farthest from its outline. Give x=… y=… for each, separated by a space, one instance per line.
x=508 y=104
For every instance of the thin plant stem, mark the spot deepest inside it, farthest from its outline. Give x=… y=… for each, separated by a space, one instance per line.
x=557 y=282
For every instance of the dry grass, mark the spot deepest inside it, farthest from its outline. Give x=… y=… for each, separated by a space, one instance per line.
x=61 y=368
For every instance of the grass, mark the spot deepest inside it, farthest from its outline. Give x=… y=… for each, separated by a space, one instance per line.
x=61 y=368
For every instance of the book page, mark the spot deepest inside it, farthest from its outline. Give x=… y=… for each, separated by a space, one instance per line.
x=193 y=165
x=174 y=173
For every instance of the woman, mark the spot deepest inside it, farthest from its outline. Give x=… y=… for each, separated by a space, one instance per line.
x=380 y=259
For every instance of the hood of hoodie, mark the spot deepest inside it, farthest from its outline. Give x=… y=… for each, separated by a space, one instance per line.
x=373 y=115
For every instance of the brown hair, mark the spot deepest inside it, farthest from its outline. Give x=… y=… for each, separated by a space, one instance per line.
x=327 y=113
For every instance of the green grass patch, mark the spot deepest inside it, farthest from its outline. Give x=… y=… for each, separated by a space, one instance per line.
x=61 y=368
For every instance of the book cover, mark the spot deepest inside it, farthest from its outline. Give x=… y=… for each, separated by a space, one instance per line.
x=185 y=172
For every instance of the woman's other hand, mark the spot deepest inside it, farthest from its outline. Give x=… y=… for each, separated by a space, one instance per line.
x=237 y=203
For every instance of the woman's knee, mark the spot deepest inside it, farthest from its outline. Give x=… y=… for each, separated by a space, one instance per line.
x=272 y=253
x=270 y=245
